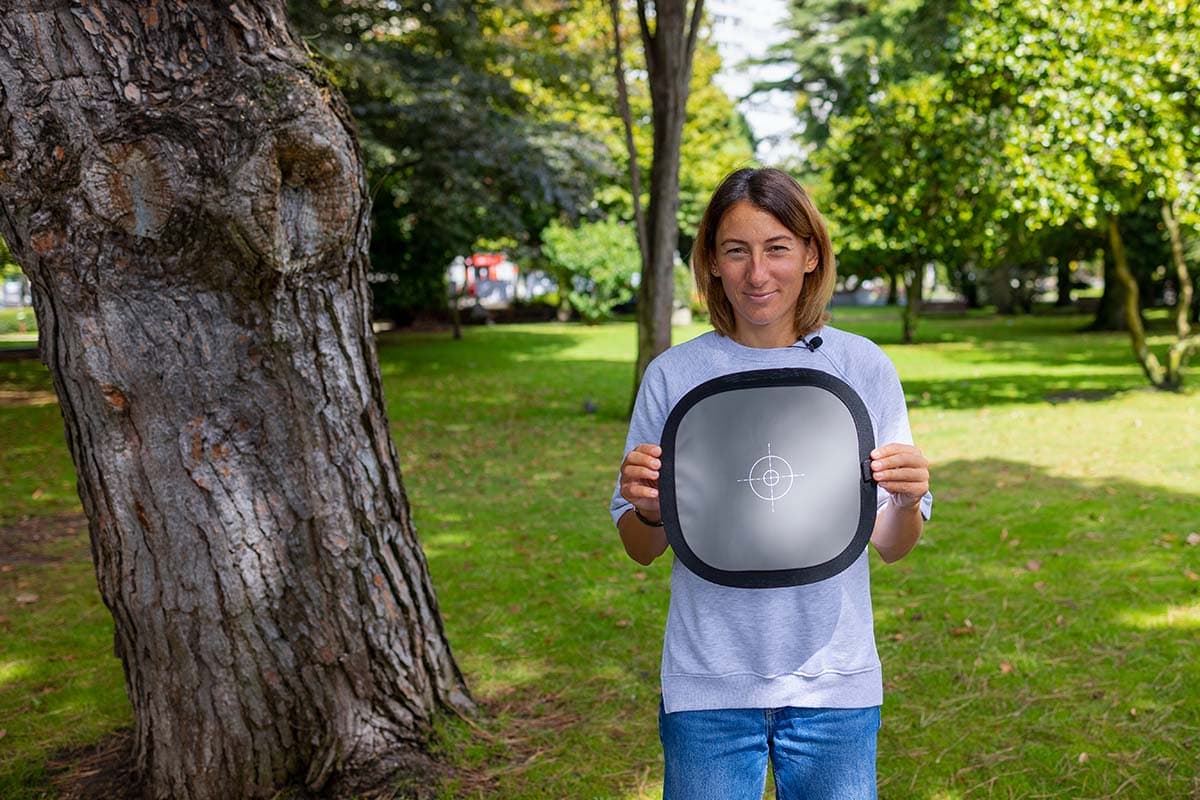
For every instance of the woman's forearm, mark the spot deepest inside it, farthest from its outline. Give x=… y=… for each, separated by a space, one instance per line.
x=897 y=529
x=643 y=542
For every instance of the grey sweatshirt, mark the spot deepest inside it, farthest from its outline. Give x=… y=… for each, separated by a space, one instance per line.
x=805 y=646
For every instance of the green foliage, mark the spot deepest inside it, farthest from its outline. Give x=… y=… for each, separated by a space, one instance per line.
x=17 y=320
x=455 y=148
x=595 y=263
x=486 y=119
x=716 y=141
x=1099 y=99
x=986 y=137
x=845 y=51
x=8 y=265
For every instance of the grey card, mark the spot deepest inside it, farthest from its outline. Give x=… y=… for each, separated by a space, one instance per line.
x=766 y=478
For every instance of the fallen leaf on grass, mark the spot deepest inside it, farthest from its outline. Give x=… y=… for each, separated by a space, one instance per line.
x=965 y=630
x=26 y=598
x=3 y=733
x=1193 y=539
x=1033 y=565
x=1083 y=757
x=622 y=623
x=1005 y=668
x=1191 y=576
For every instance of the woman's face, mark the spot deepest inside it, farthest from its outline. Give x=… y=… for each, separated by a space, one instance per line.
x=762 y=266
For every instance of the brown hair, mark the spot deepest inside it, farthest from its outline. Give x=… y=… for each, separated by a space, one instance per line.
x=778 y=194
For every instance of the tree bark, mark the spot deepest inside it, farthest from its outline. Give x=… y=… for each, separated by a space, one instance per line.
x=669 y=49
x=1132 y=307
x=1110 y=312
x=190 y=206
x=1183 y=280
x=1186 y=342
x=914 y=290
x=1063 y=272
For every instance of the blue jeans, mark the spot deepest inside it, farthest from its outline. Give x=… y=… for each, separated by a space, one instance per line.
x=816 y=753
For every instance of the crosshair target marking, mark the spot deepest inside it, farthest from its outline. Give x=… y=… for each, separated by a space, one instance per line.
x=771 y=477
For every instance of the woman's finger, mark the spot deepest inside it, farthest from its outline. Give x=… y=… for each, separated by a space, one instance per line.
x=635 y=473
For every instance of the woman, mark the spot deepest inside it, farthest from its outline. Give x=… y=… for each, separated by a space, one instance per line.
x=787 y=675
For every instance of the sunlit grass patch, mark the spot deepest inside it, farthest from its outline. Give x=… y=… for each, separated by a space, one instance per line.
x=1179 y=617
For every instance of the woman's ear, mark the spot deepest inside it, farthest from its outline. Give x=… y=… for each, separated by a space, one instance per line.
x=814 y=257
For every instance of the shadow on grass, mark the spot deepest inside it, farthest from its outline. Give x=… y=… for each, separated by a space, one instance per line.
x=968 y=393
x=482 y=348
x=1020 y=620
x=1042 y=618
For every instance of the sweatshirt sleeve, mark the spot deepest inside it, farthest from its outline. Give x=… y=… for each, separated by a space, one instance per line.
x=650 y=411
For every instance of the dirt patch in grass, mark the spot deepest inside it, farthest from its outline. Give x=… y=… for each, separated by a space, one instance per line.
x=12 y=398
x=1086 y=395
x=103 y=771
x=28 y=541
x=520 y=729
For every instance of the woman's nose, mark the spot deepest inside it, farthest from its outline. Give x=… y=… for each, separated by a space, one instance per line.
x=756 y=270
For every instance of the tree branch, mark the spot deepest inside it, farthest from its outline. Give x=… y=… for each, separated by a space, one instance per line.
x=1183 y=293
x=635 y=179
x=647 y=36
x=692 y=34
x=1133 y=317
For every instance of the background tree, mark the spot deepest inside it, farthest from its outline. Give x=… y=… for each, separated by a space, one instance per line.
x=189 y=203
x=1102 y=122
x=457 y=103
x=668 y=45
x=910 y=176
x=901 y=164
x=595 y=263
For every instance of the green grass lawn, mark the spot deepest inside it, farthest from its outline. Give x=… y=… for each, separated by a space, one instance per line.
x=1042 y=641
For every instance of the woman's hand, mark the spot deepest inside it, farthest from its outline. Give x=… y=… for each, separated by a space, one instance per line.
x=639 y=485
x=903 y=471
x=639 y=479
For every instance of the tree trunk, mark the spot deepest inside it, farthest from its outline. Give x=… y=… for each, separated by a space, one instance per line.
x=1000 y=289
x=1183 y=280
x=914 y=290
x=190 y=206
x=1064 y=283
x=893 y=298
x=1133 y=317
x=1110 y=313
x=669 y=48
x=1186 y=342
